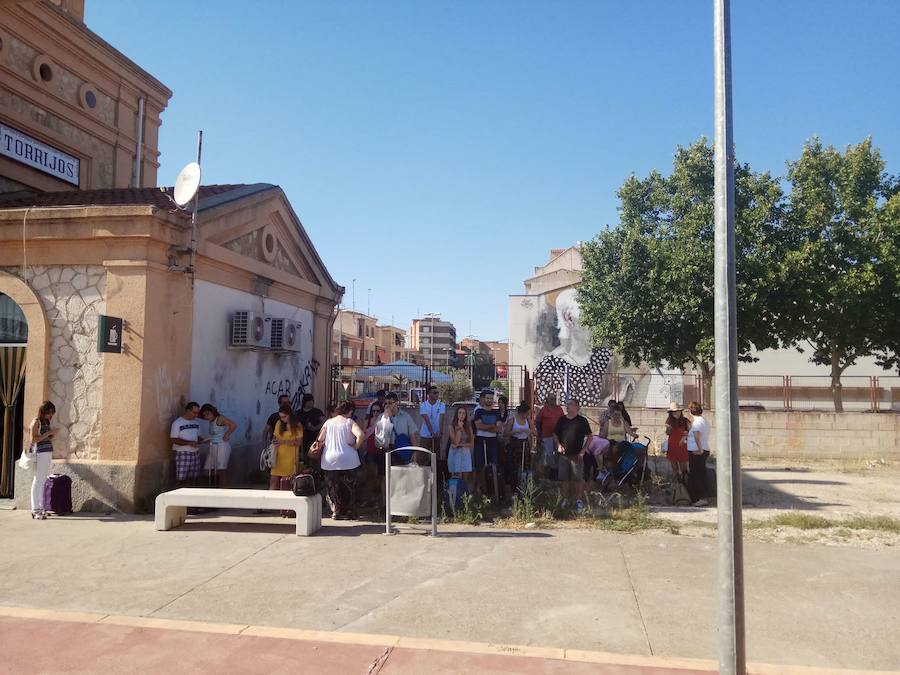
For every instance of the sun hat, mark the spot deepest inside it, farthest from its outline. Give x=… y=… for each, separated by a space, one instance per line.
x=674 y=407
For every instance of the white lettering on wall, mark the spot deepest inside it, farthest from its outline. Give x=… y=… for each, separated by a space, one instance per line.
x=25 y=149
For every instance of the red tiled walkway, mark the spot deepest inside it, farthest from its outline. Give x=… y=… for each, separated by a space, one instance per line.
x=47 y=646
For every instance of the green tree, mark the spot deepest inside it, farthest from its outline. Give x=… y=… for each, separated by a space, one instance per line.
x=841 y=271
x=647 y=285
x=501 y=386
x=459 y=388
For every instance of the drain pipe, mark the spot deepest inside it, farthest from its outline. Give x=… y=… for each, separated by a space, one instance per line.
x=139 y=143
x=194 y=213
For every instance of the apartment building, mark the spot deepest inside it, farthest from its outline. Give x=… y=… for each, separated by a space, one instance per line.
x=392 y=343
x=355 y=339
x=435 y=339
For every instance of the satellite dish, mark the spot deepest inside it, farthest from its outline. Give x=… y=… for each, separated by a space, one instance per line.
x=187 y=183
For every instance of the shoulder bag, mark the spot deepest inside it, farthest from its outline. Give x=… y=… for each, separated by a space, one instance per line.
x=267 y=457
x=27 y=457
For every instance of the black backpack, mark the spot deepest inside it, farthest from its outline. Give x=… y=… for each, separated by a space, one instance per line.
x=304 y=485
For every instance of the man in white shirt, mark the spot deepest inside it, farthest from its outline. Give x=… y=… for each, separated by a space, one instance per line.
x=405 y=432
x=433 y=412
x=185 y=438
x=698 y=447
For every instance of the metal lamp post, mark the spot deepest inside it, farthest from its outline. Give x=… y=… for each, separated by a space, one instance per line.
x=732 y=656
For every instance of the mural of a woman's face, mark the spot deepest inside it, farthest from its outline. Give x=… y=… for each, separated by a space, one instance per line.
x=573 y=336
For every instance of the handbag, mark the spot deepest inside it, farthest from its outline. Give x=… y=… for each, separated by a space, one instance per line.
x=315 y=450
x=267 y=457
x=303 y=485
x=27 y=458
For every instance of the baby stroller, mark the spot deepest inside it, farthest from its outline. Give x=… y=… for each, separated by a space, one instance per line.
x=629 y=464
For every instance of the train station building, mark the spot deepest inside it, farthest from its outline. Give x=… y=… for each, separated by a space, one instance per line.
x=101 y=309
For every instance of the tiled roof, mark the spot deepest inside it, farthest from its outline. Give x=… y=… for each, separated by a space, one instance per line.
x=210 y=196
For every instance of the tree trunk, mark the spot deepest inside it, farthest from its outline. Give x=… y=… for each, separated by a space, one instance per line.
x=706 y=373
x=836 y=371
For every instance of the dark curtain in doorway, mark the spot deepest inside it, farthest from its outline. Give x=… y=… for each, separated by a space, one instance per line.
x=12 y=377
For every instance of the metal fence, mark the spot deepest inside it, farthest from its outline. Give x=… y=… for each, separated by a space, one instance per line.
x=758 y=392
x=411 y=382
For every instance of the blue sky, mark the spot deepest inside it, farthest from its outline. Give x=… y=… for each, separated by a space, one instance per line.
x=436 y=151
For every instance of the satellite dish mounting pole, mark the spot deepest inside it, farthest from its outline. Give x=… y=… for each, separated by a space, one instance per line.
x=194 y=212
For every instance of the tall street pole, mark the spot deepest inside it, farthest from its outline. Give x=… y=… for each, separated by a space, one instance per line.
x=732 y=656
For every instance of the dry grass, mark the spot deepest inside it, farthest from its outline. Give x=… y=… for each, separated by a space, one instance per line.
x=809 y=521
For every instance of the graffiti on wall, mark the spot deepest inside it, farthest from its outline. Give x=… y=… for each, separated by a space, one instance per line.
x=296 y=387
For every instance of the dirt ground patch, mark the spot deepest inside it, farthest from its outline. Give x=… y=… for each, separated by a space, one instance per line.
x=835 y=491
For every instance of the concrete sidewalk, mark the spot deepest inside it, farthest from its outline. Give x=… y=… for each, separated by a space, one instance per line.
x=648 y=594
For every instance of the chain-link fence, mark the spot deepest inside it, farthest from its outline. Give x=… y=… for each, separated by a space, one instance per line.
x=411 y=382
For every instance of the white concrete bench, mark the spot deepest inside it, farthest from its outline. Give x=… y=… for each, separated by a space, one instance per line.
x=171 y=507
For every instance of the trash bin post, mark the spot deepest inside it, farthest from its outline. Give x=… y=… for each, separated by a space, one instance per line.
x=387 y=494
x=434 y=491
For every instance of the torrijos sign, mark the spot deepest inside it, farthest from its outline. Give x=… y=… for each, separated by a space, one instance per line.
x=27 y=150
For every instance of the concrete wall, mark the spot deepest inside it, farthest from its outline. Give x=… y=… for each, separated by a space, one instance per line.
x=243 y=384
x=794 y=435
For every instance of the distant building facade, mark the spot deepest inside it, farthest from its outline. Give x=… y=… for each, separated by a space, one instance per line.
x=354 y=339
x=435 y=340
x=392 y=343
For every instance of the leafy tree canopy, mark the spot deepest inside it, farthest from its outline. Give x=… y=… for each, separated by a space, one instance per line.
x=840 y=271
x=647 y=286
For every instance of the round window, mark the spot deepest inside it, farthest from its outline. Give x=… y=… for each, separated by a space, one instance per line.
x=46 y=72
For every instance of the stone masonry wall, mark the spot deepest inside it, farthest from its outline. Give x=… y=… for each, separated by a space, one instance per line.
x=72 y=296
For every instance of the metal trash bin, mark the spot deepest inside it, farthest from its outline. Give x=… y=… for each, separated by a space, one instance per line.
x=410 y=489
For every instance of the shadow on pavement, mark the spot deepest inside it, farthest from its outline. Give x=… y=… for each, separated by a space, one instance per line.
x=495 y=535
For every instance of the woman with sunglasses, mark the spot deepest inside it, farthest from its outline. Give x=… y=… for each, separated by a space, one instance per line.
x=373 y=457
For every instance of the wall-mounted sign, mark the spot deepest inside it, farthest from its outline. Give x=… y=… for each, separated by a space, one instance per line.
x=109 y=337
x=27 y=150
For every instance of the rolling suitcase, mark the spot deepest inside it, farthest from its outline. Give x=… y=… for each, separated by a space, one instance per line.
x=58 y=494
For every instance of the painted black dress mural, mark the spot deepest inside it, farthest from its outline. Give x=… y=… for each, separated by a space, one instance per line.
x=574 y=368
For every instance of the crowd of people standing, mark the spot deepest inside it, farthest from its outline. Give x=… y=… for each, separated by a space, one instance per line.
x=488 y=446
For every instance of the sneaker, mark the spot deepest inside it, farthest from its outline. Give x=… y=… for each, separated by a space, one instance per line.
x=579 y=505
x=701 y=502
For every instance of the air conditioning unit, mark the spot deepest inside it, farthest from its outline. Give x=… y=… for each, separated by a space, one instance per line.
x=276 y=334
x=285 y=335
x=250 y=330
x=292 y=335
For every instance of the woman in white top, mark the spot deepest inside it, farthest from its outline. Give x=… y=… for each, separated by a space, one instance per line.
x=518 y=450
x=340 y=440
x=698 y=449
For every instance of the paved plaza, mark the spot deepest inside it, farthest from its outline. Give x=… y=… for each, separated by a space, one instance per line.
x=645 y=595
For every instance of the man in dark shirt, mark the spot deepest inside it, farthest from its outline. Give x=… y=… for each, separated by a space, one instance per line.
x=572 y=433
x=284 y=399
x=311 y=419
x=486 y=421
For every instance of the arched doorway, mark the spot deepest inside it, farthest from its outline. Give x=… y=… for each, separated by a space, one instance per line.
x=13 y=341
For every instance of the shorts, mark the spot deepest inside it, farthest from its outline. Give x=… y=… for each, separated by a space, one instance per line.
x=548 y=450
x=459 y=460
x=485 y=452
x=187 y=465
x=570 y=468
x=218 y=456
